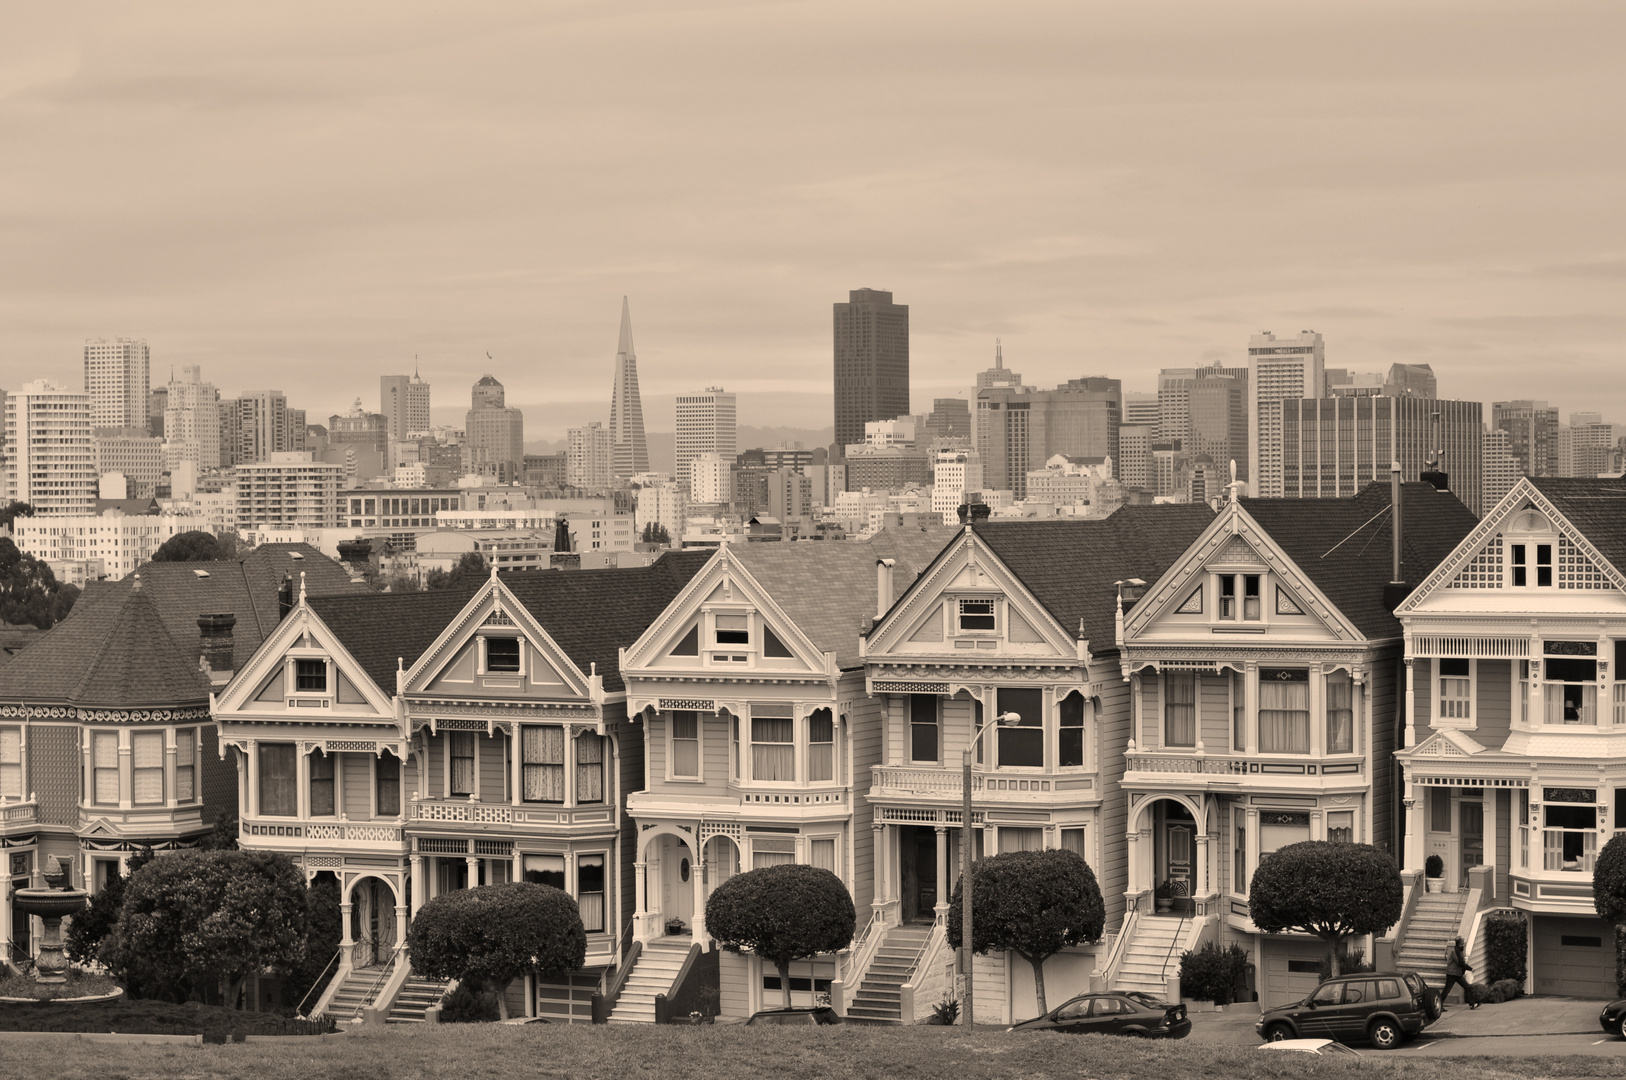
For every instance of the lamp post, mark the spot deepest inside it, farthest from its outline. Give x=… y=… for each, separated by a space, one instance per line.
x=1004 y=720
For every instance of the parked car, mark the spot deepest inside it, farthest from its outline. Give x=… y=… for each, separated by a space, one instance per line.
x=1114 y=1013
x=1613 y=1018
x=799 y=1014
x=1386 y=1008
x=1319 y=1047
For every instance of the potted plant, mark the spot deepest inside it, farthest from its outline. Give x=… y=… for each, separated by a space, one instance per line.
x=1164 y=897
x=674 y=926
x=1434 y=871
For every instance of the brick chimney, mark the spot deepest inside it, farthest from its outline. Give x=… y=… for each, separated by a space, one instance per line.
x=215 y=641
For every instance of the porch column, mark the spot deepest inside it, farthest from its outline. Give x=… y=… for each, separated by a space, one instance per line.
x=1416 y=798
x=942 y=870
x=640 y=902
x=5 y=919
x=1488 y=794
x=345 y=940
x=1250 y=707
x=1148 y=856
x=882 y=873
x=1202 y=866
x=697 y=878
x=302 y=784
x=400 y=928
x=474 y=871
x=1411 y=707
x=417 y=884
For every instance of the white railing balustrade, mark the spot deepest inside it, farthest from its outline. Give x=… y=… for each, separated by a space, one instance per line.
x=424 y=810
x=1574 y=850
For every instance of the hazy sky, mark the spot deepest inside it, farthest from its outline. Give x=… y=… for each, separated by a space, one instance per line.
x=304 y=196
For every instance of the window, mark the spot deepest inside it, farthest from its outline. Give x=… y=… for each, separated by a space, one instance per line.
x=1239 y=861
x=923 y=727
x=736 y=754
x=1519 y=558
x=11 y=763
x=1456 y=689
x=1105 y=1006
x=1239 y=711
x=1227 y=598
x=767 y=852
x=310 y=676
x=278 y=780
x=821 y=746
x=686 y=744
x=822 y=854
x=460 y=745
x=321 y=766
x=1572 y=688
x=1180 y=708
x=1439 y=809
x=502 y=654
x=545 y=870
x=1022 y=745
x=977 y=615
x=1073 y=840
x=590 y=891
x=589 y=768
x=387 y=785
x=542 y=767
x=1250 y=597
x=1341 y=826
x=186 y=765
x=1284 y=711
x=773 y=750
x=1020 y=840
x=1340 y=713
x=733 y=629
x=1070 y=731
x=104 y=749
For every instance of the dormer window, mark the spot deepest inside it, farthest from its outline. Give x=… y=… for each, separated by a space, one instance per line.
x=310 y=676
x=1239 y=596
x=977 y=616
x=502 y=655
x=733 y=629
x=1523 y=558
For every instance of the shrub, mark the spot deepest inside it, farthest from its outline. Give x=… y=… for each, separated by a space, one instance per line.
x=946 y=1012
x=1351 y=963
x=1496 y=992
x=1620 y=959
x=1212 y=973
x=782 y=913
x=1505 y=943
x=1434 y=866
x=468 y=1005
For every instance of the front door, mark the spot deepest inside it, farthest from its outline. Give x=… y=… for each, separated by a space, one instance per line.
x=1180 y=860
x=677 y=883
x=1471 y=816
x=917 y=858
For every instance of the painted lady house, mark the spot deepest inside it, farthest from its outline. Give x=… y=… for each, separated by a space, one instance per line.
x=759 y=741
x=1011 y=618
x=1515 y=759
x=1262 y=669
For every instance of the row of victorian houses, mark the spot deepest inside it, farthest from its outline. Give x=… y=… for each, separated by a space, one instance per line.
x=1196 y=688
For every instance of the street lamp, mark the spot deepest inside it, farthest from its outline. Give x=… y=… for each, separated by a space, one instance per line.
x=1003 y=720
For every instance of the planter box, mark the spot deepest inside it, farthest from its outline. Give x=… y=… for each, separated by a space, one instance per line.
x=1435 y=884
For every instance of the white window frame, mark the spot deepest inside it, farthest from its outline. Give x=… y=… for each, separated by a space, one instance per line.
x=20 y=765
x=834 y=839
x=446 y=766
x=797 y=755
x=1439 y=717
x=956 y=629
x=672 y=774
x=291 y=690
x=484 y=668
x=162 y=768
x=732 y=656
x=400 y=781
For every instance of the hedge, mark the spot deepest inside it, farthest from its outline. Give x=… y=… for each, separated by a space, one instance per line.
x=1506 y=944
x=1213 y=974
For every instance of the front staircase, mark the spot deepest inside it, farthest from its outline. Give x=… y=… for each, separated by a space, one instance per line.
x=1151 y=955
x=417 y=994
x=1435 y=920
x=356 y=993
x=879 y=996
x=653 y=973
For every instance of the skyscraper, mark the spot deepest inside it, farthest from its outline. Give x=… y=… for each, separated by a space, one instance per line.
x=1021 y=428
x=997 y=375
x=50 y=459
x=404 y=401
x=1218 y=421
x=871 y=362
x=117 y=378
x=192 y=421
x=1501 y=468
x=1278 y=370
x=588 y=456
x=1173 y=420
x=1532 y=434
x=1140 y=408
x=1334 y=446
x=257 y=424
x=494 y=433
x=705 y=425
x=629 y=454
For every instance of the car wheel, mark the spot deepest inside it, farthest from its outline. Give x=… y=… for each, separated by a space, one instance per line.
x=1384 y=1034
x=1620 y=1025
x=1432 y=1004
x=1278 y=1032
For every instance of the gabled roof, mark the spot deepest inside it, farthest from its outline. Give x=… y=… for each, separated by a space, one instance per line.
x=1071 y=566
x=828 y=589
x=1596 y=507
x=380 y=628
x=1345 y=546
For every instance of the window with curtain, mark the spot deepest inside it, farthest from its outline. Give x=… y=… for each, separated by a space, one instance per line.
x=1020 y=840
x=11 y=763
x=104 y=754
x=821 y=746
x=542 y=764
x=321 y=767
x=769 y=852
x=1022 y=745
x=1284 y=711
x=1227 y=596
x=1070 y=730
x=1239 y=862
x=589 y=768
x=279 y=778
x=590 y=891
x=685 y=743
x=461 y=747
x=1179 y=708
x=545 y=870
x=822 y=854
x=1456 y=700
x=1239 y=711
x=186 y=764
x=387 y=785
x=1341 y=826
x=923 y=713
x=1073 y=840
x=1250 y=597
x=1340 y=713
x=736 y=725
x=147 y=772
x=773 y=750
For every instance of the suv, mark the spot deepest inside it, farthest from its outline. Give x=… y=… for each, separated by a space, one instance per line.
x=1386 y=1008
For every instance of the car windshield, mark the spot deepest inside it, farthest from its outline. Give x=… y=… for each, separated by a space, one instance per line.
x=1146 y=1000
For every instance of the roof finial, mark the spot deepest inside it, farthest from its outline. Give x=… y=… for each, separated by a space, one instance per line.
x=136 y=584
x=302 y=588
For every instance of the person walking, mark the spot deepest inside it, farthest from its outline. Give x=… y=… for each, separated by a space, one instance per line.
x=1455 y=965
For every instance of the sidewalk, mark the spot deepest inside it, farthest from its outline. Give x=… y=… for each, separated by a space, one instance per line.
x=1522 y=1016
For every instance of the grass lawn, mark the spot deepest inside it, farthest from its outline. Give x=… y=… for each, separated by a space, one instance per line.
x=148 y=1018
x=490 y=1052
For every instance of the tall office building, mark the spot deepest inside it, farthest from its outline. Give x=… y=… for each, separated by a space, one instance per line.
x=1586 y=448
x=1532 y=434
x=1135 y=455
x=949 y=423
x=1173 y=420
x=999 y=374
x=50 y=458
x=134 y=454
x=629 y=453
x=1501 y=468
x=1140 y=409
x=404 y=401
x=588 y=458
x=493 y=432
x=705 y=425
x=117 y=378
x=1334 y=446
x=954 y=472
x=192 y=421
x=871 y=362
x=1278 y=370
x=1218 y=421
x=1022 y=428
x=1411 y=380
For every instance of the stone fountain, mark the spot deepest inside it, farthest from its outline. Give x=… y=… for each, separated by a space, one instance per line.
x=52 y=904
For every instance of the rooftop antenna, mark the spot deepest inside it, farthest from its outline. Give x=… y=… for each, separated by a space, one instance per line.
x=999 y=355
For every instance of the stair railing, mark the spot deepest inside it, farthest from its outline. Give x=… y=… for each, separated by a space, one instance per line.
x=604 y=1003
x=300 y=1008
x=1179 y=936
x=372 y=991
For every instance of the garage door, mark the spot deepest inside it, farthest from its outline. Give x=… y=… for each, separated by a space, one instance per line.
x=1575 y=957
x=1292 y=970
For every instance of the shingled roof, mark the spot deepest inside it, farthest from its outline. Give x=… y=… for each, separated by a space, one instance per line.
x=1071 y=567
x=1345 y=546
x=1597 y=507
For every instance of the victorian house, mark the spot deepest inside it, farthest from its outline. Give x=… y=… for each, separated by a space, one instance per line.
x=1262 y=669
x=1515 y=722
x=1018 y=621
x=759 y=741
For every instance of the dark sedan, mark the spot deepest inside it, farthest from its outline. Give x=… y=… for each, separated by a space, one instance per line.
x=799 y=1016
x=1613 y=1018
x=1114 y=1014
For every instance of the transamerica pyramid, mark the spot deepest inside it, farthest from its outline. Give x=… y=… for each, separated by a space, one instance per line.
x=629 y=453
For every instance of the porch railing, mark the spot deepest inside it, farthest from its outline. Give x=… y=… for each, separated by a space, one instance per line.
x=1569 y=849
x=487 y=813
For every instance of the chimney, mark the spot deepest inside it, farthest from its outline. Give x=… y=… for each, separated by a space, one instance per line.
x=285 y=597
x=1434 y=475
x=883 y=586
x=974 y=512
x=1397 y=589
x=356 y=557
x=215 y=640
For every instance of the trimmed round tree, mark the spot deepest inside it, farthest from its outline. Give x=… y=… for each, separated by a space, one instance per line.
x=490 y=935
x=1035 y=903
x=193 y=546
x=1609 y=897
x=782 y=913
x=1331 y=890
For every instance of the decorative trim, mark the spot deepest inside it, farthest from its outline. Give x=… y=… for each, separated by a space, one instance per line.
x=668 y=704
x=104 y=716
x=351 y=745
x=909 y=687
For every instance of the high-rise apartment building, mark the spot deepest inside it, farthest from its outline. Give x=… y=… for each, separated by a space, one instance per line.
x=588 y=458
x=711 y=480
x=1278 y=370
x=493 y=432
x=705 y=425
x=871 y=362
x=1501 y=468
x=629 y=453
x=257 y=424
x=1135 y=455
x=289 y=490
x=1532 y=434
x=139 y=457
x=954 y=472
x=404 y=402
x=50 y=458
x=1023 y=428
x=1334 y=446
x=117 y=378
x=1587 y=448
x=192 y=421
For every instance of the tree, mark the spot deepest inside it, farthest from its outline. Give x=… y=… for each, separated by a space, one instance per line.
x=200 y=917
x=490 y=935
x=14 y=510
x=193 y=546
x=782 y=913
x=1035 y=903
x=655 y=533
x=470 y=569
x=1331 y=890
x=401 y=582
x=91 y=926
x=1609 y=880
x=29 y=591
x=324 y=930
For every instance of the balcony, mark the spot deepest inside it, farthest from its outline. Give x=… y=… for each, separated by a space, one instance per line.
x=19 y=815
x=464 y=816
x=1224 y=771
x=275 y=833
x=895 y=781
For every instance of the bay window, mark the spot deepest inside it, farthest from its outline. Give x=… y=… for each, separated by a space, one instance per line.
x=590 y=892
x=321 y=796
x=1022 y=745
x=104 y=766
x=686 y=744
x=11 y=763
x=1023 y=839
x=1239 y=860
x=821 y=746
x=1569 y=829
x=545 y=870
x=770 y=852
x=186 y=765
x=1341 y=826
x=1070 y=731
x=1284 y=711
x=773 y=744
x=542 y=763
x=1456 y=689
x=822 y=854
x=147 y=768
x=1179 y=708
x=1340 y=713
x=589 y=768
x=279 y=778
x=1570 y=674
